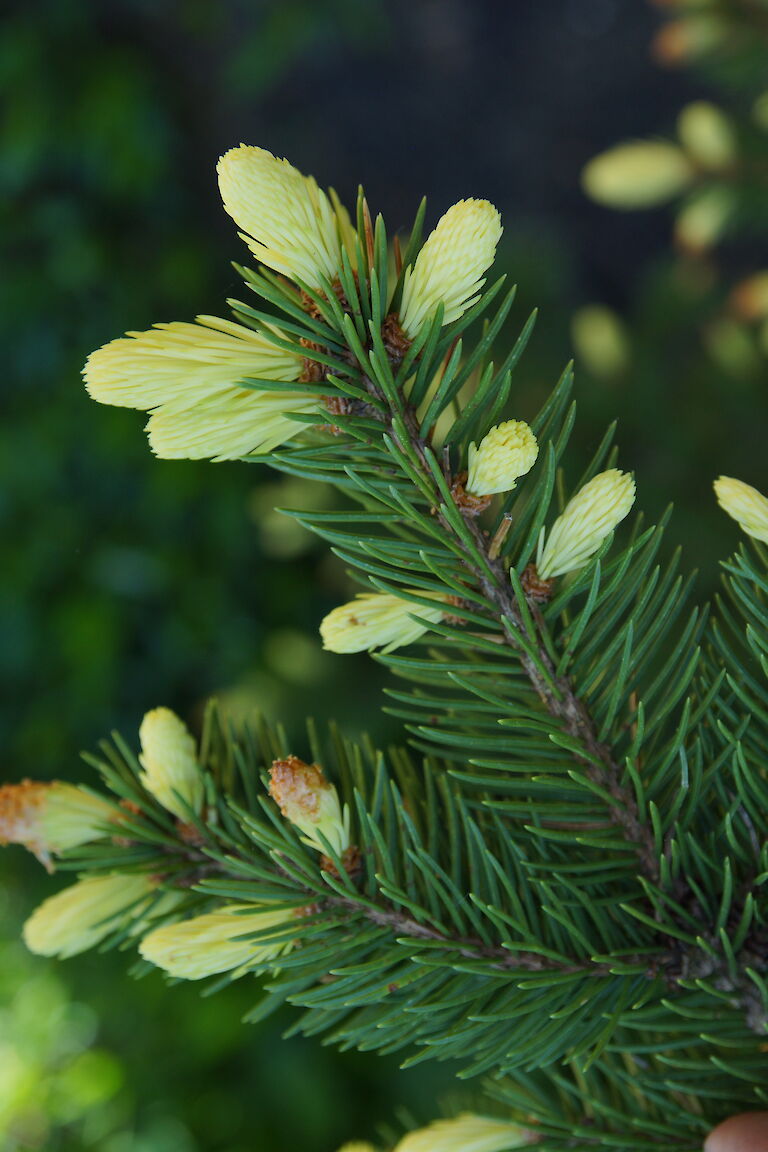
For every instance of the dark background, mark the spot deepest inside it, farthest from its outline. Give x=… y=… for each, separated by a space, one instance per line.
x=128 y=582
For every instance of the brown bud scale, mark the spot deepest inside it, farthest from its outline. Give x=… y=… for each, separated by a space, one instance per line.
x=457 y=602
x=19 y=805
x=351 y=859
x=312 y=371
x=294 y=782
x=536 y=589
x=468 y=503
x=395 y=341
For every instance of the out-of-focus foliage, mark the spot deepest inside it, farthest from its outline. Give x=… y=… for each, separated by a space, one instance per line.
x=695 y=348
x=55 y=1077
x=125 y=582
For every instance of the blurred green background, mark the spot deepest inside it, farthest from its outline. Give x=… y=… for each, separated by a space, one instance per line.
x=128 y=582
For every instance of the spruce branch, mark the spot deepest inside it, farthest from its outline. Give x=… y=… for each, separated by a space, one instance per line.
x=565 y=893
x=518 y=615
x=387 y=932
x=557 y=694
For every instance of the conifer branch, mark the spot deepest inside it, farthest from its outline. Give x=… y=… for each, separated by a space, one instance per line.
x=673 y=962
x=574 y=881
x=555 y=692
